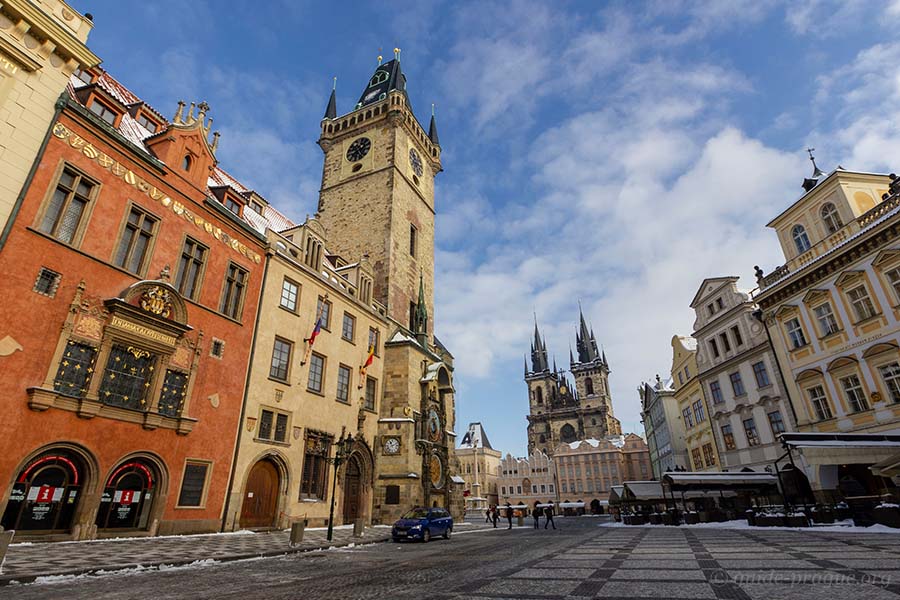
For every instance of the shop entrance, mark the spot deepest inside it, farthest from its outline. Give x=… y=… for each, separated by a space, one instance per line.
x=46 y=493
x=260 y=496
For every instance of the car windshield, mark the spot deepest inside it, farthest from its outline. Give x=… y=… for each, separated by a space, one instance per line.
x=416 y=513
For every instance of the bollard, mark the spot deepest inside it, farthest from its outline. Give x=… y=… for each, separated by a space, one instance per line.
x=5 y=540
x=521 y=521
x=297 y=530
x=359 y=526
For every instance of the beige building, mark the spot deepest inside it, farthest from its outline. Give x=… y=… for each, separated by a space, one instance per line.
x=588 y=469
x=42 y=42
x=698 y=435
x=833 y=313
x=527 y=480
x=479 y=465
x=739 y=374
x=300 y=401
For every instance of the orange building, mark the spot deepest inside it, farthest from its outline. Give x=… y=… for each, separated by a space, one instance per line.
x=131 y=279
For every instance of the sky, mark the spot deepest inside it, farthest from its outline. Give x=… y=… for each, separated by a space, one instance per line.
x=614 y=154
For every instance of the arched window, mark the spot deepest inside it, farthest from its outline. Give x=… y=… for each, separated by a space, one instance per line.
x=589 y=386
x=542 y=439
x=567 y=433
x=539 y=395
x=186 y=163
x=379 y=77
x=801 y=240
x=831 y=217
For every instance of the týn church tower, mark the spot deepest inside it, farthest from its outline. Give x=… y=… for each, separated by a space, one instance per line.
x=564 y=409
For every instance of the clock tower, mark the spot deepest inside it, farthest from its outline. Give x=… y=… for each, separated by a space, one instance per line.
x=377 y=195
x=377 y=200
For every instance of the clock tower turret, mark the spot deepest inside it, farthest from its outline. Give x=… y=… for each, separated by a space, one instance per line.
x=377 y=195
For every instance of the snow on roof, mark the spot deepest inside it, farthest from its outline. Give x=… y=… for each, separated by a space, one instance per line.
x=137 y=134
x=399 y=336
x=457 y=479
x=616 y=440
x=475 y=437
x=689 y=342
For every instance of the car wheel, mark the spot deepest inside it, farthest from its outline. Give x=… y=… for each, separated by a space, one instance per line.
x=426 y=536
x=447 y=533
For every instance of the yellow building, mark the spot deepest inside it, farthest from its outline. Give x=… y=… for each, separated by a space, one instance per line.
x=698 y=437
x=479 y=465
x=42 y=42
x=833 y=313
x=300 y=401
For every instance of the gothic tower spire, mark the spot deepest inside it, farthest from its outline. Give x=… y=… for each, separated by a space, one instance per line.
x=539 y=361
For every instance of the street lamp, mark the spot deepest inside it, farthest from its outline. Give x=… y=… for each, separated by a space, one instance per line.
x=341 y=452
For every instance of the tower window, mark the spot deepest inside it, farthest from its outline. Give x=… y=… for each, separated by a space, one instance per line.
x=47 y=282
x=413 y=240
x=539 y=394
x=186 y=163
x=412 y=316
x=589 y=386
x=801 y=240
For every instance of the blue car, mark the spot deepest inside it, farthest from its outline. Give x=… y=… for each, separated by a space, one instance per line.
x=423 y=524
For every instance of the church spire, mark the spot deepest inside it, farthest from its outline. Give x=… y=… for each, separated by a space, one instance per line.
x=539 y=362
x=420 y=322
x=585 y=342
x=432 y=130
x=331 y=110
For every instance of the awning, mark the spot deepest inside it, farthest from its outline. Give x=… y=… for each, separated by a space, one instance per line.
x=889 y=467
x=615 y=494
x=719 y=481
x=842 y=448
x=649 y=491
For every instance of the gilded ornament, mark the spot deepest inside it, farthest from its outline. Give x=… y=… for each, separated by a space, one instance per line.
x=157 y=300
x=137 y=352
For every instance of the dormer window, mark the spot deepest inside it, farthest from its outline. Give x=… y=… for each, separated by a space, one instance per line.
x=84 y=75
x=831 y=218
x=186 y=163
x=233 y=206
x=103 y=111
x=801 y=240
x=256 y=207
x=378 y=77
x=147 y=123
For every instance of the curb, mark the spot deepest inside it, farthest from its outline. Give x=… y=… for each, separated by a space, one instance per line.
x=24 y=578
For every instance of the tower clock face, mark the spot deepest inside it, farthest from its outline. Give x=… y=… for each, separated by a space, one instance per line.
x=391 y=446
x=437 y=471
x=415 y=162
x=358 y=149
x=434 y=426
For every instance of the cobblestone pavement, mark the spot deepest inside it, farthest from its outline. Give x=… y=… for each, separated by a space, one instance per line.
x=580 y=560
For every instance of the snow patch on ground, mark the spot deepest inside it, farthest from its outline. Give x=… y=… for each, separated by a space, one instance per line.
x=134 y=539
x=847 y=527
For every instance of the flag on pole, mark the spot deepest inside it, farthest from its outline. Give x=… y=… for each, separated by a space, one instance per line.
x=312 y=336
x=362 y=369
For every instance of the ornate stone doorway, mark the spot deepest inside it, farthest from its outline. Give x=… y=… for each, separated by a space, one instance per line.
x=352 y=490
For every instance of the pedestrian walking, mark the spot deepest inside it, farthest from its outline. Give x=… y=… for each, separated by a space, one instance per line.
x=536 y=513
x=487 y=515
x=509 y=514
x=494 y=515
x=548 y=513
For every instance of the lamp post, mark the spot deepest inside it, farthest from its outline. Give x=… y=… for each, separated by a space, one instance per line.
x=341 y=452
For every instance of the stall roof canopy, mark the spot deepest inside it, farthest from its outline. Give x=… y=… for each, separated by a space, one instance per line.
x=643 y=490
x=615 y=494
x=840 y=440
x=709 y=481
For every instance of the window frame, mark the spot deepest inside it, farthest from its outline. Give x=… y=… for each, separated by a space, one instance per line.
x=208 y=464
x=321 y=378
x=751 y=432
x=228 y=299
x=781 y=428
x=124 y=227
x=413 y=241
x=349 y=370
x=728 y=436
x=290 y=354
x=737 y=382
x=699 y=411
x=761 y=374
x=320 y=303
x=854 y=393
x=96 y=99
x=274 y=426
x=285 y=282
x=374 y=388
x=892 y=383
x=864 y=300
x=736 y=334
x=352 y=321
x=377 y=334
x=821 y=406
x=201 y=271
x=893 y=278
x=801 y=238
x=715 y=390
x=831 y=218
x=796 y=335
x=827 y=321
x=90 y=201
x=687 y=417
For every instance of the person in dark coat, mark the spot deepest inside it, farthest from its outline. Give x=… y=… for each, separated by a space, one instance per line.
x=487 y=515
x=494 y=516
x=509 y=512
x=548 y=513
x=536 y=513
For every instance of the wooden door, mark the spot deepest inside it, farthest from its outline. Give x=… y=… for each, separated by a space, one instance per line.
x=260 y=496
x=351 y=491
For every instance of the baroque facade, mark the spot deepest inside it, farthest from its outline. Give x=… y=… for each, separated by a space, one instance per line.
x=527 y=480
x=588 y=469
x=699 y=440
x=561 y=411
x=739 y=373
x=832 y=313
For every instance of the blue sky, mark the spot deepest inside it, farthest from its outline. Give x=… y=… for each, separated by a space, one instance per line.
x=613 y=153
